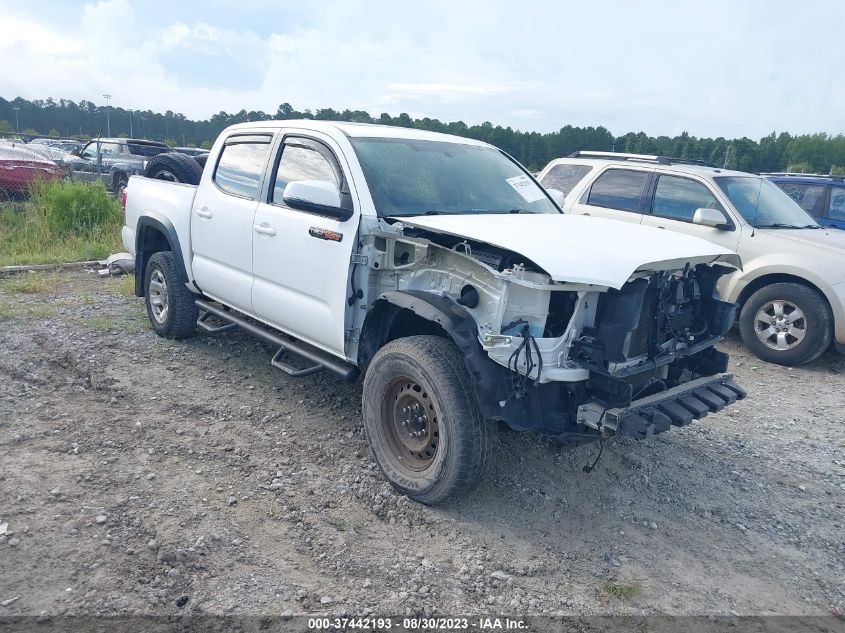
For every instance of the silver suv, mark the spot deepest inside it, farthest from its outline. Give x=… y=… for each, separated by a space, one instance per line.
x=792 y=285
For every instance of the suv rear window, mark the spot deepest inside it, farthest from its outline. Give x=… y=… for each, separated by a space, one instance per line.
x=565 y=177
x=618 y=189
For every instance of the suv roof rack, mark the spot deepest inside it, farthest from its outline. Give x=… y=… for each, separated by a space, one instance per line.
x=796 y=173
x=646 y=158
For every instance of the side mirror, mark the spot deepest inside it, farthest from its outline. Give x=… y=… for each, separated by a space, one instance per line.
x=710 y=217
x=315 y=196
x=557 y=195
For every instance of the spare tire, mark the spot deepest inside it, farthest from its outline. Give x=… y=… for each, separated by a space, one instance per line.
x=201 y=159
x=174 y=167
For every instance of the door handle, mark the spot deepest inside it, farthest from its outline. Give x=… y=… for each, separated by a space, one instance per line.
x=264 y=229
x=203 y=212
x=585 y=214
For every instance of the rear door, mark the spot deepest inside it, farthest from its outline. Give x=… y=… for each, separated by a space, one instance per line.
x=672 y=203
x=618 y=193
x=301 y=260
x=222 y=220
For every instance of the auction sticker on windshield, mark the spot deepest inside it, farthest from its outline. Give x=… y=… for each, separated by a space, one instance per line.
x=526 y=187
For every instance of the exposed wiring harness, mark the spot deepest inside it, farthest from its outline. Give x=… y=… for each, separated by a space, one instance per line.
x=528 y=347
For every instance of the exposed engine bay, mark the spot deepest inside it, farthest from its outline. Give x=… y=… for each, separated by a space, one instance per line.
x=542 y=348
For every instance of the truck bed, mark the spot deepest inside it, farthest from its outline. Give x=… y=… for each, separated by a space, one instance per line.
x=168 y=202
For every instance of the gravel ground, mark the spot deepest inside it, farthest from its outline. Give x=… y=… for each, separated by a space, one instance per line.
x=139 y=475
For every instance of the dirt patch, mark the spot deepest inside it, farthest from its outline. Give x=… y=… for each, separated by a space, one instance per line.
x=139 y=475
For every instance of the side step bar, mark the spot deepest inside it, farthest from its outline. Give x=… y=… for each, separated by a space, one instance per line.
x=657 y=413
x=321 y=359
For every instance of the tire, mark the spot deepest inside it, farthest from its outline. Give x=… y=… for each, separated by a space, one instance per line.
x=201 y=159
x=419 y=384
x=174 y=167
x=791 y=340
x=177 y=317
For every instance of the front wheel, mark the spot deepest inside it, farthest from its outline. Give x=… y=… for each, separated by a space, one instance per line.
x=786 y=323
x=170 y=305
x=422 y=420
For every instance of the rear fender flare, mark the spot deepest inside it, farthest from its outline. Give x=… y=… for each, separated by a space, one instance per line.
x=149 y=225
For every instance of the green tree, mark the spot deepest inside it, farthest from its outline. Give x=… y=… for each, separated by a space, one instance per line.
x=54 y=133
x=5 y=126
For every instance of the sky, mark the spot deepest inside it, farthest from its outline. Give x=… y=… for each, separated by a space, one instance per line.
x=711 y=68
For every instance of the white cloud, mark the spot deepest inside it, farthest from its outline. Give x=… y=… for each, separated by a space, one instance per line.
x=718 y=68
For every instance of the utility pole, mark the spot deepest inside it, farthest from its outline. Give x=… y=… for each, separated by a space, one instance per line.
x=17 y=122
x=130 y=124
x=727 y=155
x=107 y=97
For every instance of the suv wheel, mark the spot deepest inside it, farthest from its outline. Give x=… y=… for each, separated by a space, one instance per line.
x=170 y=305
x=786 y=323
x=422 y=421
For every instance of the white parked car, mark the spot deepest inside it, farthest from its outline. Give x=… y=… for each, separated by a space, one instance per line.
x=791 y=288
x=441 y=270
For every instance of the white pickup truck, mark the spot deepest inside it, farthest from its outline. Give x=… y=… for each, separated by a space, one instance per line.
x=440 y=269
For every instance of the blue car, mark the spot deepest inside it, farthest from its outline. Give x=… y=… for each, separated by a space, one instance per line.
x=823 y=197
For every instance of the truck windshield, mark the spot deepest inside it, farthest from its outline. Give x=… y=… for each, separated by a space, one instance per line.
x=415 y=177
x=763 y=204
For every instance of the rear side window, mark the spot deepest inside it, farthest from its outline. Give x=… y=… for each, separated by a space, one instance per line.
x=301 y=163
x=809 y=197
x=678 y=198
x=565 y=177
x=836 y=210
x=240 y=166
x=618 y=189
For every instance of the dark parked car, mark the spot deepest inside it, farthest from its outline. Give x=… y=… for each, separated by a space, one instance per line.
x=113 y=160
x=823 y=197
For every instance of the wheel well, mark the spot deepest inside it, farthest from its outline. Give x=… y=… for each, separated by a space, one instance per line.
x=776 y=278
x=387 y=322
x=150 y=241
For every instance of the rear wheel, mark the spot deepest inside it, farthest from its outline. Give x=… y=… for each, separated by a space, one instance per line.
x=786 y=323
x=170 y=305
x=422 y=420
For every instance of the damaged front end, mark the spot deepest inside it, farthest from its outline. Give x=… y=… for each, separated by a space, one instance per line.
x=574 y=361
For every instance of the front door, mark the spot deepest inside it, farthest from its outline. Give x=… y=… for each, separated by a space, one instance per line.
x=674 y=204
x=301 y=260
x=86 y=167
x=222 y=220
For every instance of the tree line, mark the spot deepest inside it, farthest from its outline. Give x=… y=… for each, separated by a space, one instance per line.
x=818 y=153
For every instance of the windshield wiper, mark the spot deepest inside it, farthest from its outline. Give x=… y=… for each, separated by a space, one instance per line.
x=779 y=225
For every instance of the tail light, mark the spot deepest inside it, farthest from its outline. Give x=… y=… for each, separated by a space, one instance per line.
x=123 y=200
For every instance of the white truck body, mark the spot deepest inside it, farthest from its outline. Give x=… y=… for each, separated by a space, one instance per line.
x=347 y=237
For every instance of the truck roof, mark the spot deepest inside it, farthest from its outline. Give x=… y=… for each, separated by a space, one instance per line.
x=359 y=130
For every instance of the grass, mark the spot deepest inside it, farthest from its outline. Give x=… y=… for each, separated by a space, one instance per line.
x=30 y=283
x=61 y=222
x=338 y=524
x=623 y=590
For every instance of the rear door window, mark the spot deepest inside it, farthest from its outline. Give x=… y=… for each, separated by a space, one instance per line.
x=809 y=196
x=241 y=165
x=678 y=198
x=618 y=189
x=565 y=177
